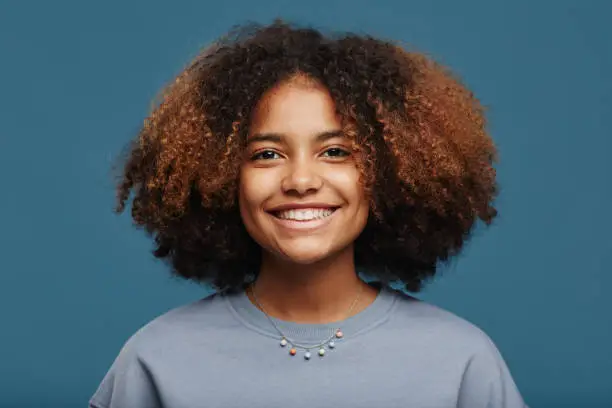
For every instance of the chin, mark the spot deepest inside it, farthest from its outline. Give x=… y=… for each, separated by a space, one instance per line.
x=305 y=256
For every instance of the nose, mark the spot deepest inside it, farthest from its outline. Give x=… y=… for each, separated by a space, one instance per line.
x=302 y=178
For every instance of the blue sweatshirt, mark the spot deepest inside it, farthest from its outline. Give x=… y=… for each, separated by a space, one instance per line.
x=222 y=352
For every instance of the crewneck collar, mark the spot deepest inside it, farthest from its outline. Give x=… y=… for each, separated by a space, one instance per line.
x=373 y=315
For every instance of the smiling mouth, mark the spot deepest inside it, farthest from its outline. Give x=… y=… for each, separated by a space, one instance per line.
x=304 y=214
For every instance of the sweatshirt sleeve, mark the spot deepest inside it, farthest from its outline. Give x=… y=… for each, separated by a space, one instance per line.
x=487 y=382
x=128 y=383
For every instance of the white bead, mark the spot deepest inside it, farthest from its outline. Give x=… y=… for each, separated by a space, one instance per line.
x=321 y=351
x=283 y=343
x=307 y=355
x=331 y=344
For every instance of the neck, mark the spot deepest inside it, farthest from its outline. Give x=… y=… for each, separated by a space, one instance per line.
x=321 y=292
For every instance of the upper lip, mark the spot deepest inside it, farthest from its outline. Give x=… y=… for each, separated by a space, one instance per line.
x=295 y=206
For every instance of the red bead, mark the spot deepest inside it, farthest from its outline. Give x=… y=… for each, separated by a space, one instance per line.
x=292 y=351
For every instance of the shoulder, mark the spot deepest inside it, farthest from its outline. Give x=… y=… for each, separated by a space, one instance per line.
x=185 y=324
x=161 y=340
x=433 y=324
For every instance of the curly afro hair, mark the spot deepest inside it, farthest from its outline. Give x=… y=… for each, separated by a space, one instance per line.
x=424 y=154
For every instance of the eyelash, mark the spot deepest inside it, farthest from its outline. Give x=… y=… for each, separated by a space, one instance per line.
x=343 y=152
x=259 y=155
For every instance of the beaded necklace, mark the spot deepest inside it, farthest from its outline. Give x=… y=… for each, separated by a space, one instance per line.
x=284 y=341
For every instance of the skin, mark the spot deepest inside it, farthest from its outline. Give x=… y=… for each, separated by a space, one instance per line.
x=297 y=156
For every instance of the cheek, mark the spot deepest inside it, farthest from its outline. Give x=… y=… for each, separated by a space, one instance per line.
x=347 y=182
x=254 y=188
x=247 y=196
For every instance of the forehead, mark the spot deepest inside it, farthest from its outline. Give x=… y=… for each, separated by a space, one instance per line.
x=295 y=107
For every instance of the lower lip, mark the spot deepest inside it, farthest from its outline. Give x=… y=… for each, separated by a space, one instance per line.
x=304 y=225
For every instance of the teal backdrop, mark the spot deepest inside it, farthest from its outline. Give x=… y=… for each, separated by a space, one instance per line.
x=77 y=78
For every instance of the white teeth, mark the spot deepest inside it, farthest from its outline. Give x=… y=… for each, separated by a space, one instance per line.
x=306 y=214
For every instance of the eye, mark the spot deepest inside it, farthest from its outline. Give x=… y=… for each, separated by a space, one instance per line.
x=266 y=155
x=336 y=152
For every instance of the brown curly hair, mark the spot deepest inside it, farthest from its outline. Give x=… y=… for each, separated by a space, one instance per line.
x=426 y=159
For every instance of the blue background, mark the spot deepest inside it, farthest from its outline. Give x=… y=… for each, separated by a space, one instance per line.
x=77 y=79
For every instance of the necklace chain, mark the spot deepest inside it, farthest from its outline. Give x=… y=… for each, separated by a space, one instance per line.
x=284 y=339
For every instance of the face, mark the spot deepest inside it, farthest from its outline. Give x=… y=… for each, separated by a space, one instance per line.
x=300 y=196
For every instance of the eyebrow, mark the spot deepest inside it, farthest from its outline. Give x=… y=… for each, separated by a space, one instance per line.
x=278 y=137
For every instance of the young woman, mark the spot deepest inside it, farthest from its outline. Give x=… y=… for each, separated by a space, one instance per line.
x=301 y=175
